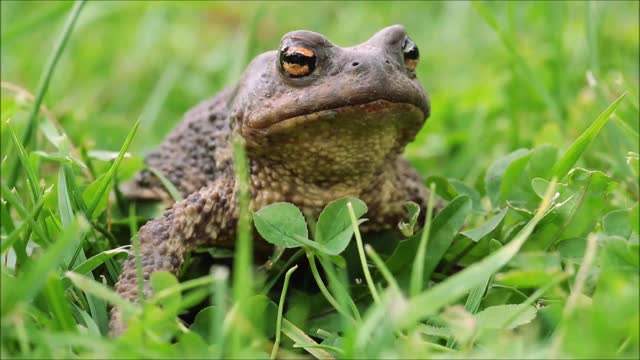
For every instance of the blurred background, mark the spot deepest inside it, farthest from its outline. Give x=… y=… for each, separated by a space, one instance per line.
x=501 y=76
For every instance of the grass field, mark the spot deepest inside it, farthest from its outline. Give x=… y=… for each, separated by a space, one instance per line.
x=533 y=144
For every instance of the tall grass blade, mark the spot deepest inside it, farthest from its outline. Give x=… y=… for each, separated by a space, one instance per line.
x=562 y=167
x=29 y=220
x=456 y=286
x=283 y=296
x=44 y=83
x=59 y=304
x=32 y=178
x=97 y=192
x=417 y=271
x=17 y=204
x=35 y=276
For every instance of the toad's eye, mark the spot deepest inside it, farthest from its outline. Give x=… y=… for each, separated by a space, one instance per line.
x=411 y=54
x=297 y=61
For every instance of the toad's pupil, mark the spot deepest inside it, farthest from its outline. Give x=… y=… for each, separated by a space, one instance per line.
x=410 y=50
x=412 y=54
x=297 y=58
x=297 y=61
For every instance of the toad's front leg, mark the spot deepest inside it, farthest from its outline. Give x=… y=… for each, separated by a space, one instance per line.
x=205 y=217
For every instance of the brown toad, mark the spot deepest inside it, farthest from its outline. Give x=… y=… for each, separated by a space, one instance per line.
x=319 y=122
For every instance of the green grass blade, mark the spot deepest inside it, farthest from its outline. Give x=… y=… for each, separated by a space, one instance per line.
x=242 y=265
x=44 y=82
x=219 y=291
x=628 y=130
x=445 y=226
x=361 y=255
x=14 y=201
x=64 y=202
x=300 y=337
x=417 y=270
x=382 y=268
x=168 y=185
x=562 y=167
x=30 y=220
x=456 y=286
x=35 y=276
x=97 y=260
x=97 y=192
x=32 y=178
x=283 y=296
x=59 y=304
x=101 y=291
x=476 y=234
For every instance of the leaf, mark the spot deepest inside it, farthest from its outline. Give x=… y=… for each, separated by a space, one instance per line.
x=572 y=249
x=497 y=170
x=539 y=186
x=616 y=223
x=619 y=255
x=280 y=223
x=570 y=158
x=456 y=286
x=494 y=317
x=443 y=187
x=487 y=227
x=413 y=210
x=191 y=346
x=511 y=176
x=583 y=211
x=202 y=323
x=542 y=160
x=443 y=229
x=265 y=314
x=527 y=278
x=334 y=229
x=464 y=189
x=163 y=281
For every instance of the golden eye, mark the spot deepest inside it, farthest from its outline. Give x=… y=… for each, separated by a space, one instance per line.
x=411 y=54
x=297 y=61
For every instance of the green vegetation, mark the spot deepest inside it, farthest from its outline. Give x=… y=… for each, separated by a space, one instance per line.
x=533 y=145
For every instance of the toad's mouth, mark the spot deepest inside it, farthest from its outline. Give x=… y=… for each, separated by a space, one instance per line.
x=350 y=116
x=329 y=145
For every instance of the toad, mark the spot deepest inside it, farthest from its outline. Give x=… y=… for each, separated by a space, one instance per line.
x=319 y=122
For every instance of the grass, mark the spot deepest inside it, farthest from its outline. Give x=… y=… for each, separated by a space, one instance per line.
x=533 y=146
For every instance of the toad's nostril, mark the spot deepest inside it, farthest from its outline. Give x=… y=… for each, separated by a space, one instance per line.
x=387 y=61
x=355 y=63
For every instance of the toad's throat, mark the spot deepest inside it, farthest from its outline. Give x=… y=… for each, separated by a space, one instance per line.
x=347 y=141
